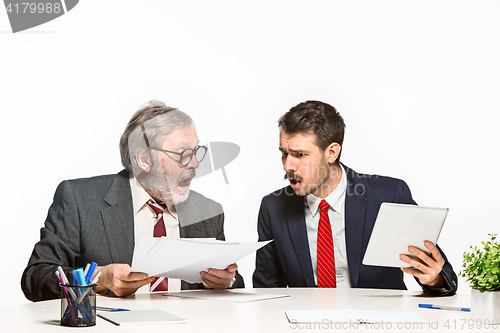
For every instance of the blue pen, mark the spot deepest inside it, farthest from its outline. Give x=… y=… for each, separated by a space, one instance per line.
x=90 y=272
x=442 y=307
x=103 y=308
x=86 y=269
x=76 y=279
x=81 y=277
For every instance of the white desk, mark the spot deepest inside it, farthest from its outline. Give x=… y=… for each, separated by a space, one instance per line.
x=260 y=316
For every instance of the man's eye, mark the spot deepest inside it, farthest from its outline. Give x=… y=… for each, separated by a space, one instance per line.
x=302 y=154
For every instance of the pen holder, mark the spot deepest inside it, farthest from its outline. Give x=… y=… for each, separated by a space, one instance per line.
x=78 y=305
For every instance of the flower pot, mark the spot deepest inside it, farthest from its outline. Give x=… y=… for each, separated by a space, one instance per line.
x=485 y=306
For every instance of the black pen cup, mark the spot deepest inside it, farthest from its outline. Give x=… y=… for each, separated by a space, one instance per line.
x=78 y=305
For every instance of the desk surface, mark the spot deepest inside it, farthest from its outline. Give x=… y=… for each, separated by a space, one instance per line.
x=259 y=316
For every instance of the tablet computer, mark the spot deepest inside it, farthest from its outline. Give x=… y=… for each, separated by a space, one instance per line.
x=398 y=226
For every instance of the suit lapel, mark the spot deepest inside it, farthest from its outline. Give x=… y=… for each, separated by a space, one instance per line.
x=118 y=220
x=297 y=229
x=355 y=206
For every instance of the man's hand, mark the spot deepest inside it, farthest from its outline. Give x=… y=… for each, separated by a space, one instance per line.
x=429 y=272
x=219 y=278
x=120 y=280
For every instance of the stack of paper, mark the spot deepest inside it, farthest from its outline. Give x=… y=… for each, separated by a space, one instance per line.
x=185 y=258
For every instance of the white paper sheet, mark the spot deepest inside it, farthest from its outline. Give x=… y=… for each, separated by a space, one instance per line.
x=142 y=317
x=372 y=317
x=352 y=315
x=238 y=296
x=185 y=258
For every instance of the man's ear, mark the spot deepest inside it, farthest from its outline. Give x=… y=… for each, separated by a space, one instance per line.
x=332 y=152
x=143 y=160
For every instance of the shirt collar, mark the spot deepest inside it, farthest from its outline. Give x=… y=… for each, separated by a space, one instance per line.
x=335 y=199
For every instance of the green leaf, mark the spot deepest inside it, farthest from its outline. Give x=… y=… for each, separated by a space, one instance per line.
x=481 y=266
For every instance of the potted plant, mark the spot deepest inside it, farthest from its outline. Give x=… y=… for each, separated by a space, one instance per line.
x=481 y=267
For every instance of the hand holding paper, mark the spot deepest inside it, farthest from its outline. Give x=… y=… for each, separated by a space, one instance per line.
x=121 y=280
x=219 y=278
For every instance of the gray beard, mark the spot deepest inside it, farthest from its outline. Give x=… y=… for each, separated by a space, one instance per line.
x=162 y=187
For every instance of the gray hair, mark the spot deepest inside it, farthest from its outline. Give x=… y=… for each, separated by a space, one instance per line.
x=147 y=128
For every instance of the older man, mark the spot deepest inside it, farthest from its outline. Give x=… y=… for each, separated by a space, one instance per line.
x=97 y=219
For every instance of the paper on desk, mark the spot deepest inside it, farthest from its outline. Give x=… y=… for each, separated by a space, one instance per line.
x=142 y=317
x=233 y=295
x=353 y=316
x=372 y=317
x=185 y=258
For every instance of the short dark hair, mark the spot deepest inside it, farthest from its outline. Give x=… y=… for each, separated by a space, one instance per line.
x=319 y=118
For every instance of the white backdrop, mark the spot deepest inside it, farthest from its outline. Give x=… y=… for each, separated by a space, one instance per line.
x=417 y=83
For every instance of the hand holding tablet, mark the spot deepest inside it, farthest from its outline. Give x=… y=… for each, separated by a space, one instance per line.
x=399 y=227
x=426 y=269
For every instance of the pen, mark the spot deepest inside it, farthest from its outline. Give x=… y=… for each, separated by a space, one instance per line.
x=66 y=281
x=96 y=277
x=103 y=308
x=86 y=269
x=81 y=277
x=63 y=275
x=442 y=307
x=70 y=307
x=90 y=272
x=76 y=280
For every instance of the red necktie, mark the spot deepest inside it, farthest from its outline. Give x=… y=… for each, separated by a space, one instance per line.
x=326 y=254
x=159 y=231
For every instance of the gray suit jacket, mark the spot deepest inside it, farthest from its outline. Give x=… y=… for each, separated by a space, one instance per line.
x=92 y=219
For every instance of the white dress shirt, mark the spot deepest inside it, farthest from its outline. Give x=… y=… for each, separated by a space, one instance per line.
x=336 y=213
x=145 y=220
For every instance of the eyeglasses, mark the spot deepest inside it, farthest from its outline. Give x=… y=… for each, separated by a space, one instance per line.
x=187 y=154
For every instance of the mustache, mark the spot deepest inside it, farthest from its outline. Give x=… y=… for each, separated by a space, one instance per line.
x=191 y=174
x=292 y=176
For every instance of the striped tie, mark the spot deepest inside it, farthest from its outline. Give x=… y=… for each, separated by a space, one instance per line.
x=326 y=255
x=159 y=231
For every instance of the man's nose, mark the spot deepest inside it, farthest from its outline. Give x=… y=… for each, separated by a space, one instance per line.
x=288 y=164
x=193 y=164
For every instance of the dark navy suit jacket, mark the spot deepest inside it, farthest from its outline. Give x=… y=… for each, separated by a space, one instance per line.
x=287 y=261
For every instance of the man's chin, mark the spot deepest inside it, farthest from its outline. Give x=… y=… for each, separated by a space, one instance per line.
x=180 y=196
x=302 y=191
x=298 y=191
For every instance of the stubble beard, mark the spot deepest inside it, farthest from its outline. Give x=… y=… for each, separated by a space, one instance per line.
x=322 y=173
